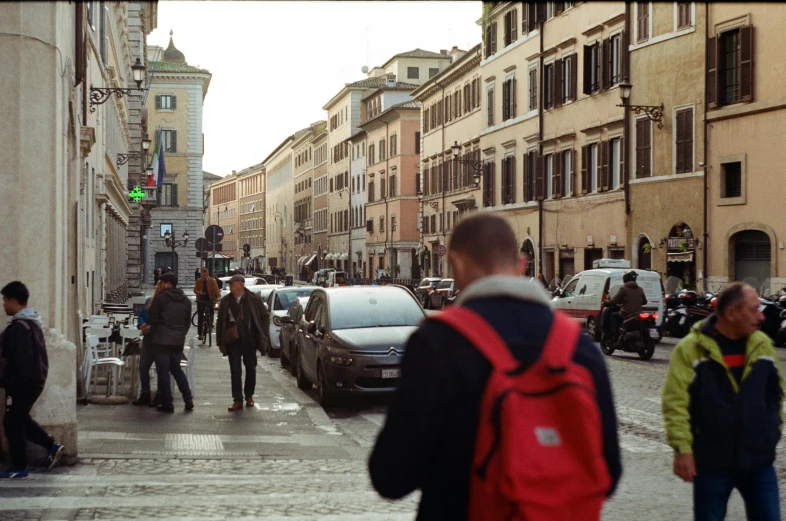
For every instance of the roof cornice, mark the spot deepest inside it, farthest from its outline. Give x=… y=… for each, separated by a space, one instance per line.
x=467 y=63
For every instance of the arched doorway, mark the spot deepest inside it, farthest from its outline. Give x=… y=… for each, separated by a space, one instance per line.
x=644 y=258
x=528 y=248
x=681 y=255
x=752 y=257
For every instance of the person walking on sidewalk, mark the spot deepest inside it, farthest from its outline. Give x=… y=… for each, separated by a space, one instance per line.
x=429 y=438
x=147 y=355
x=168 y=323
x=242 y=329
x=723 y=409
x=206 y=291
x=24 y=366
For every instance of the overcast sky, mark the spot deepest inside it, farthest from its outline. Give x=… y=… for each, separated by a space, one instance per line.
x=275 y=64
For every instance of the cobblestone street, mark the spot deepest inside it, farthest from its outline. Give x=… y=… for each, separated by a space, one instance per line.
x=286 y=459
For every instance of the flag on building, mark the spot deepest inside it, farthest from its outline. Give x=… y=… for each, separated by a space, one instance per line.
x=160 y=161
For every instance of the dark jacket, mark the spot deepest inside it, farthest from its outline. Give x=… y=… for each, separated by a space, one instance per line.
x=728 y=427
x=23 y=358
x=631 y=299
x=170 y=319
x=260 y=320
x=141 y=319
x=428 y=440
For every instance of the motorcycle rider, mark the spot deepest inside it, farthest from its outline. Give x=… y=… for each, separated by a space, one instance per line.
x=630 y=298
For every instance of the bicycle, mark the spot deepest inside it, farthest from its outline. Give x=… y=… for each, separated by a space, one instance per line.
x=207 y=322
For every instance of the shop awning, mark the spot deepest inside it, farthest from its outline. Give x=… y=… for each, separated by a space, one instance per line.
x=311 y=259
x=329 y=256
x=679 y=257
x=344 y=256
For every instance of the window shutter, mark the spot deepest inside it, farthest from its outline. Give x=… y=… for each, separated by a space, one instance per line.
x=505 y=100
x=555 y=176
x=679 y=128
x=532 y=16
x=624 y=55
x=587 y=69
x=558 y=8
x=173 y=146
x=605 y=67
x=746 y=63
x=574 y=66
x=540 y=184
x=712 y=73
x=557 y=84
x=490 y=107
x=584 y=170
x=604 y=165
x=487 y=41
x=512 y=95
x=513 y=25
x=493 y=37
x=623 y=175
x=573 y=171
x=688 y=140
x=524 y=19
x=525 y=185
x=174 y=194
x=158 y=102
x=173 y=101
x=541 y=11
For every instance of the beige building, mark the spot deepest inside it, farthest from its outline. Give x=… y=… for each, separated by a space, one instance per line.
x=251 y=217
x=746 y=227
x=320 y=154
x=279 y=204
x=666 y=181
x=174 y=106
x=451 y=114
x=303 y=158
x=224 y=213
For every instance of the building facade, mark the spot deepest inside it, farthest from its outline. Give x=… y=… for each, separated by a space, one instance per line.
x=224 y=213
x=174 y=105
x=251 y=217
x=303 y=158
x=357 y=215
x=279 y=204
x=319 y=145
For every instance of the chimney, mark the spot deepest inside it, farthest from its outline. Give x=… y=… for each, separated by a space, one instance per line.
x=391 y=80
x=443 y=52
x=234 y=172
x=456 y=54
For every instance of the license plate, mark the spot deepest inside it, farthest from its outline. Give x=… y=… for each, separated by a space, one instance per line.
x=391 y=373
x=653 y=333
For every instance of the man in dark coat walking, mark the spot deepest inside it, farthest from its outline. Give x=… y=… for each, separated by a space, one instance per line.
x=244 y=312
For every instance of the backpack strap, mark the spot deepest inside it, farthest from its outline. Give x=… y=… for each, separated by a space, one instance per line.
x=561 y=342
x=480 y=334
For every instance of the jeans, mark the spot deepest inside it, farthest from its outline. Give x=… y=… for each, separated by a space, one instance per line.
x=19 y=426
x=759 y=490
x=616 y=322
x=237 y=353
x=201 y=305
x=146 y=359
x=169 y=362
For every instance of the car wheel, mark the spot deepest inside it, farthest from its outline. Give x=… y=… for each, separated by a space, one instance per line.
x=592 y=329
x=605 y=343
x=326 y=397
x=302 y=382
x=273 y=353
x=648 y=351
x=283 y=360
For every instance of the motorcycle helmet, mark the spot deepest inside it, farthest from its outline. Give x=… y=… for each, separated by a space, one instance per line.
x=629 y=276
x=714 y=302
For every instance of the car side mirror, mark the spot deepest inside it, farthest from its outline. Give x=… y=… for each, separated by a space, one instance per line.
x=287 y=320
x=266 y=306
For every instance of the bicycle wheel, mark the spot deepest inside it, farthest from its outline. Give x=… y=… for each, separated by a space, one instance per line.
x=209 y=328
x=195 y=319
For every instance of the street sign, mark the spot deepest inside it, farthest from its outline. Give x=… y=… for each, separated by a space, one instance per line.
x=202 y=244
x=439 y=249
x=214 y=234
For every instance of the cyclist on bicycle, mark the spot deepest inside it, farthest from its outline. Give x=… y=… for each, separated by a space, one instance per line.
x=206 y=291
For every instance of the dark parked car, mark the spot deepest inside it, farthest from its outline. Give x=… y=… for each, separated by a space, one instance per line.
x=352 y=339
x=443 y=292
x=424 y=289
x=289 y=328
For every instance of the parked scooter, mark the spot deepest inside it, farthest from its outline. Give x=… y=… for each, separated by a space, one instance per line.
x=637 y=334
x=683 y=311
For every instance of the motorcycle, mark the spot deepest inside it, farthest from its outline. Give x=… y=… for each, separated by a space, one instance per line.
x=637 y=334
x=683 y=311
x=773 y=320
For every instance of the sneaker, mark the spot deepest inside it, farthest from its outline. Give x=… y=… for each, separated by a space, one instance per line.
x=165 y=408
x=54 y=455
x=190 y=405
x=144 y=399
x=14 y=474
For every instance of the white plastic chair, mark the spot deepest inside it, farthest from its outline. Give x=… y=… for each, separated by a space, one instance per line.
x=92 y=361
x=103 y=349
x=129 y=333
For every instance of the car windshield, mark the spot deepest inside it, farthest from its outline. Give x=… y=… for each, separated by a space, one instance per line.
x=284 y=298
x=295 y=308
x=434 y=283
x=373 y=306
x=265 y=292
x=445 y=284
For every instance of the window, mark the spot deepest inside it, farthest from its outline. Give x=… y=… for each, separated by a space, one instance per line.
x=569 y=66
x=448 y=108
x=508 y=180
x=381 y=149
x=567 y=172
x=548 y=86
x=615 y=58
x=615 y=162
x=684 y=18
x=643 y=147
x=370 y=226
x=550 y=178
x=371 y=154
x=731 y=183
x=393 y=145
x=167 y=196
x=392 y=186
x=392 y=223
x=642 y=21
x=491 y=39
x=592 y=61
x=433 y=224
x=533 y=88
x=490 y=106
x=413 y=73
x=433 y=71
x=732 y=80
x=381 y=224
x=417 y=142
x=382 y=187
x=488 y=183
x=683 y=141
x=166 y=102
x=510 y=27
x=508 y=99
x=593 y=168
x=169 y=140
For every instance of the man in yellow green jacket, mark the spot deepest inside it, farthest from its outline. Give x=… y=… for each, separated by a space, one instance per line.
x=723 y=409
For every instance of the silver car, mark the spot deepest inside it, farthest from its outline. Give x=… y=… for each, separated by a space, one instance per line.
x=278 y=302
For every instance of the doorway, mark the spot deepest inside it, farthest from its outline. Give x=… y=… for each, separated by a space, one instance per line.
x=591 y=255
x=752 y=257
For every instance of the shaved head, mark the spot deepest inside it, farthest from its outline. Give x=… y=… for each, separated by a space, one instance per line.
x=486 y=239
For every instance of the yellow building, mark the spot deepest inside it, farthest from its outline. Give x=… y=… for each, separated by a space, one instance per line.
x=224 y=213
x=251 y=217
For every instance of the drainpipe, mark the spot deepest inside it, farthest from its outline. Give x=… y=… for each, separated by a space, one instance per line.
x=387 y=195
x=625 y=127
x=442 y=179
x=540 y=151
x=706 y=144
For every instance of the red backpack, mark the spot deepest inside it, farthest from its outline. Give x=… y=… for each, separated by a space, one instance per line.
x=539 y=448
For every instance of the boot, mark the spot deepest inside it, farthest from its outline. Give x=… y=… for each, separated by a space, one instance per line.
x=144 y=399
x=155 y=402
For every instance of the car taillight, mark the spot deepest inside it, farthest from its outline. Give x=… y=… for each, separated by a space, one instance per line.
x=645 y=316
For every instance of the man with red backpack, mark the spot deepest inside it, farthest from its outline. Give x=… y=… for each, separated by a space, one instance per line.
x=504 y=410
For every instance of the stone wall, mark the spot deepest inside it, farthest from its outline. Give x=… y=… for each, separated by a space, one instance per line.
x=181 y=219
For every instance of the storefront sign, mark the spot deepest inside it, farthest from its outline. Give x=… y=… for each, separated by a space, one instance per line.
x=675 y=243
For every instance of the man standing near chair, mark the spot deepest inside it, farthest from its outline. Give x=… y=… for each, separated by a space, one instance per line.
x=206 y=291
x=168 y=323
x=24 y=366
x=242 y=329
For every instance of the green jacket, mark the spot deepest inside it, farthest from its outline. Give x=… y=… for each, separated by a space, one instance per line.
x=727 y=426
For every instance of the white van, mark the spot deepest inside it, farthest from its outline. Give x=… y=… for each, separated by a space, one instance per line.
x=582 y=299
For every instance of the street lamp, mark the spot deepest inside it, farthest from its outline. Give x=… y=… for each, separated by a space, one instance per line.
x=99 y=95
x=477 y=166
x=123 y=158
x=653 y=112
x=172 y=243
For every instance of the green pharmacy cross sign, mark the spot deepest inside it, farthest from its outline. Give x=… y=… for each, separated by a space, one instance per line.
x=136 y=194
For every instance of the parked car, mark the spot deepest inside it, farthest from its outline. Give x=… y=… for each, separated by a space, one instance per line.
x=320 y=277
x=439 y=297
x=336 y=278
x=352 y=340
x=289 y=329
x=424 y=289
x=250 y=281
x=278 y=302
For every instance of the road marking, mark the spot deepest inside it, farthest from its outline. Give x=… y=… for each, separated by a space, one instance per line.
x=287 y=407
x=377 y=418
x=197 y=442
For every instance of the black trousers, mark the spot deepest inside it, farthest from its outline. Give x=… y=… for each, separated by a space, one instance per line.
x=201 y=305
x=242 y=353
x=20 y=427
